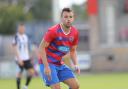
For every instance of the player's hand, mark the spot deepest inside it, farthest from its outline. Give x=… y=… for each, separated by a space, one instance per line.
x=47 y=72
x=77 y=69
x=21 y=63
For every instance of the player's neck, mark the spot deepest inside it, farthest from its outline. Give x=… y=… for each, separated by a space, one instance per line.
x=65 y=28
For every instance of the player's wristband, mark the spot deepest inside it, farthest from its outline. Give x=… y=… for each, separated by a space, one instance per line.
x=76 y=67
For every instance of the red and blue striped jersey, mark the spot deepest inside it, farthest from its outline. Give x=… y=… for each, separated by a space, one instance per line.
x=60 y=43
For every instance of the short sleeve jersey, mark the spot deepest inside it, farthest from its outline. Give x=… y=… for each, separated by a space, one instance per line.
x=21 y=41
x=60 y=43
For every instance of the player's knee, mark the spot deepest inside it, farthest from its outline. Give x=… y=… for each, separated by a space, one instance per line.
x=76 y=86
x=56 y=88
x=18 y=75
x=31 y=72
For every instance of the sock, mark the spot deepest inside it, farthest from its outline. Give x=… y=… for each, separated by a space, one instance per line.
x=18 y=83
x=28 y=80
x=69 y=88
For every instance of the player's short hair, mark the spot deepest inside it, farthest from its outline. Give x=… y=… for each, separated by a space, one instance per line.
x=66 y=10
x=21 y=24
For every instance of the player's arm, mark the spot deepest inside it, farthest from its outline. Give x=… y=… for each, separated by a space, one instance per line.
x=47 y=39
x=16 y=52
x=73 y=52
x=42 y=52
x=15 y=47
x=73 y=55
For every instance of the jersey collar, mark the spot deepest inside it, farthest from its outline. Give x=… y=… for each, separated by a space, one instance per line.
x=63 y=30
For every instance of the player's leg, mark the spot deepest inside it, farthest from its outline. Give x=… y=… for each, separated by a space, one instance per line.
x=67 y=76
x=30 y=72
x=55 y=86
x=29 y=76
x=54 y=82
x=19 y=75
x=72 y=83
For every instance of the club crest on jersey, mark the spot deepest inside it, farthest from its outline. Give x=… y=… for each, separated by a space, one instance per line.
x=71 y=38
x=60 y=38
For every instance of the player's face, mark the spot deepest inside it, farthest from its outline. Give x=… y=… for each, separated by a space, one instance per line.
x=67 y=18
x=21 y=29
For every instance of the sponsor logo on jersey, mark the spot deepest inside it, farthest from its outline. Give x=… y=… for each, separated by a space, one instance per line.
x=64 y=48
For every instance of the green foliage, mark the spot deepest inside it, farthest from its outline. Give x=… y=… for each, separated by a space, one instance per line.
x=42 y=10
x=9 y=16
x=80 y=11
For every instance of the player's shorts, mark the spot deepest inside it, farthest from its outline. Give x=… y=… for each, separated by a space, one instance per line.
x=27 y=65
x=58 y=74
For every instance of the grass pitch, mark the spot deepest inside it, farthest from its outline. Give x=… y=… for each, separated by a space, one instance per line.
x=87 y=81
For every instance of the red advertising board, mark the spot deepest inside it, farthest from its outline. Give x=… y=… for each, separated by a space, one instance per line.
x=92 y=7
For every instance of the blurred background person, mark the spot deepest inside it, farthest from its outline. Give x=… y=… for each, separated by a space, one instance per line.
x=20 y=45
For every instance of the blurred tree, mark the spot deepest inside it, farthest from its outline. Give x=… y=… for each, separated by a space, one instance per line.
x=42 y=10
x=9 y=16
x=80 y=11
x=22 y=10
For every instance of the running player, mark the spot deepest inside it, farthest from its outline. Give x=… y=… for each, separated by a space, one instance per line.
x=57 y=42
x=20 y=45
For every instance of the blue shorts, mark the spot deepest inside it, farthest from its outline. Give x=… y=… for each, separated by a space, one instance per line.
x=58 y=74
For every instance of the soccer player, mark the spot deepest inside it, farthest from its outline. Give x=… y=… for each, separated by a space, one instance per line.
x=20 y=45
x=57 y=42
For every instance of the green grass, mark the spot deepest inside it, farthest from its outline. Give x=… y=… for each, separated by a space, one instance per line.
x=87 y=81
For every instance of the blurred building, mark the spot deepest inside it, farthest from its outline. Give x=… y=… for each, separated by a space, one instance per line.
x=109 y=34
